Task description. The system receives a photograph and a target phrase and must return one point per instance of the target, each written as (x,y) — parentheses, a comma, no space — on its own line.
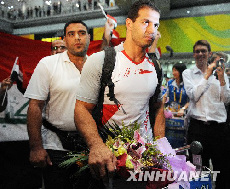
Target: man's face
(201,55)
(77,39)
(58,46)
(144,29)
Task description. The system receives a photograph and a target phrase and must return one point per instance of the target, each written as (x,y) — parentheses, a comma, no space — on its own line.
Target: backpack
(108,67)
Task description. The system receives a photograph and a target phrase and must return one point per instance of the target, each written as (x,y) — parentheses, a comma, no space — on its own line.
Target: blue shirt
(177,95)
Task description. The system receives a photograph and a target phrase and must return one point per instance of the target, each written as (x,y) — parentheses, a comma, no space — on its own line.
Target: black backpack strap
(108,67)
(153,99)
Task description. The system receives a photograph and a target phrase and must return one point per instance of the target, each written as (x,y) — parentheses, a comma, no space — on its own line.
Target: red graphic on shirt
(108,111)
(141,71)
(127,72)
(152,64)
(146,120)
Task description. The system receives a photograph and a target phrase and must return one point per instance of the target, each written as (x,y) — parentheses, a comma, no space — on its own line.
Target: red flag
(28,51)
(113,20)
(115,34)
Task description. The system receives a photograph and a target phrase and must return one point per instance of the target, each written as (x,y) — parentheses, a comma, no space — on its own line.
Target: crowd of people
(46,10)
(65,89)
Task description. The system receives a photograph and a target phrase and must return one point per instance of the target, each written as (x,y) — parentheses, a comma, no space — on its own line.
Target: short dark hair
(180,67)
(75,22)
(202,43)
(220,54)
(133,12)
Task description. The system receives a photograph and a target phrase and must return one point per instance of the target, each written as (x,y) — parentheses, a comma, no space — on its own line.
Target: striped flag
(17,75)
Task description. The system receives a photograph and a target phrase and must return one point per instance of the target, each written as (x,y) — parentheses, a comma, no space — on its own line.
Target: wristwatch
(183,108)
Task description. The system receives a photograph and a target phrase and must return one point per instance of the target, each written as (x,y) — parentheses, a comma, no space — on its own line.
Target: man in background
(58,46)
(208,96)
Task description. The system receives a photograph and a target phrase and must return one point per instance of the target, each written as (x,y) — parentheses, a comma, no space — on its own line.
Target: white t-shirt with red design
(134,84)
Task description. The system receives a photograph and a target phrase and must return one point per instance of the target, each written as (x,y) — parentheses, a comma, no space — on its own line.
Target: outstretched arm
(108,28)
(153,48)
(101,159)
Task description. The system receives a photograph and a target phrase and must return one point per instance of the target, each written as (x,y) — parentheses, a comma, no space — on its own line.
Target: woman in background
(177,97)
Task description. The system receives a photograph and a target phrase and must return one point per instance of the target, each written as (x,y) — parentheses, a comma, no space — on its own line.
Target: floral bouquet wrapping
(136,159)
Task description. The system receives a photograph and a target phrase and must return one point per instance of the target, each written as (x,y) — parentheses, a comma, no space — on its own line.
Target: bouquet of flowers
(132,153)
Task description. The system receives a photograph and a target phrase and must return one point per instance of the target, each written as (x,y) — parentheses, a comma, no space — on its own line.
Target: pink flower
(137,165)
(140,150)
(138,137)
(168,114)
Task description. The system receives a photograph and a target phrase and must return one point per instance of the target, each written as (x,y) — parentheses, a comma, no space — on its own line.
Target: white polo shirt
(55,80)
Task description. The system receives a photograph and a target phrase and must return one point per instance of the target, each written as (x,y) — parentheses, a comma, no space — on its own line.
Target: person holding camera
(208,95)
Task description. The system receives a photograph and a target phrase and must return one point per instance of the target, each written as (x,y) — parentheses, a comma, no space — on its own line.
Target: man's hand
(158,36)
(39,158)
(109,26)
(102,162)
(6,84)
(180,113)
(153,47)
(220,74)
(210,70)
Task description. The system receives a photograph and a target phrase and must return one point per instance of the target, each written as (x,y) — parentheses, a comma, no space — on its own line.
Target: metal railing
(46,11)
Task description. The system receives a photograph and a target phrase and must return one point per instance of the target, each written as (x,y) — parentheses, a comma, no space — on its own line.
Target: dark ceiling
(174,4)
(177,4)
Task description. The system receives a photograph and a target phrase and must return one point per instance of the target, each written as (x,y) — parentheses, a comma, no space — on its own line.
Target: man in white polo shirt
(53,86)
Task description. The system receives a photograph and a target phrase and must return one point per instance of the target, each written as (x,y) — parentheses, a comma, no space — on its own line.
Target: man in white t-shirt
(15,168)
(135,80)
(53,86)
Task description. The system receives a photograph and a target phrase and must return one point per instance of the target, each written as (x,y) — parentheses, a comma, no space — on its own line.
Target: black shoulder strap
(154,98)
(108,67)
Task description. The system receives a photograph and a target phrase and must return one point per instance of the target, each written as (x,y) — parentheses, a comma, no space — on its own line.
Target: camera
(220,63)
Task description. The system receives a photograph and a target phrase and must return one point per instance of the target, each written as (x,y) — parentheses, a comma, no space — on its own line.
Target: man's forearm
(34,123)
(159,127)
(105,41)
(86,125)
